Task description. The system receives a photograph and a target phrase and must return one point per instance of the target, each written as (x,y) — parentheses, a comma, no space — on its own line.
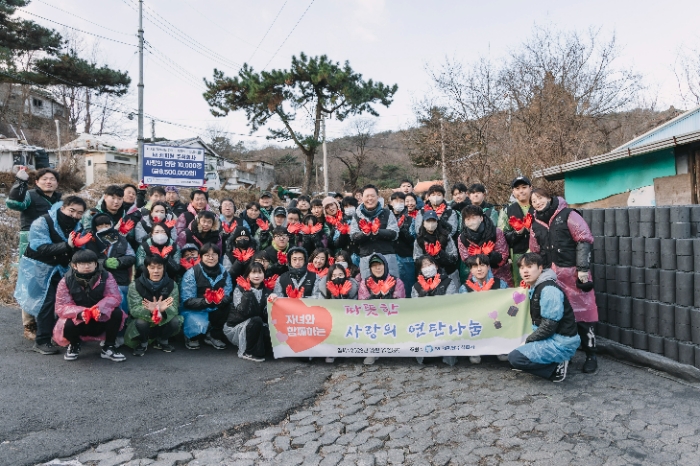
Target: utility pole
(153,130)
(325,157)
(442,154)
(140,87)
(58,141)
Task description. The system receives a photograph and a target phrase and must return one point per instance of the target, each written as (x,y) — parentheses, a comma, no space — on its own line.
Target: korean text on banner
(488,323)
(175,166)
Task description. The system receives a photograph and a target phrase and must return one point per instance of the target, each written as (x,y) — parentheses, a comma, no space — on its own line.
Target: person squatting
(142,266)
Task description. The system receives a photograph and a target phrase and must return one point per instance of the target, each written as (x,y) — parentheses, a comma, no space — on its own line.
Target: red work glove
(281,258)
(270,282)
(487,248)
(80,241)
(263,224)
(125,227)
(375,226)
(365,226)
(343,228)
(243,283)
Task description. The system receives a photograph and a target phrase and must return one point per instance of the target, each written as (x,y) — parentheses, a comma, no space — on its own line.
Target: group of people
(141,266)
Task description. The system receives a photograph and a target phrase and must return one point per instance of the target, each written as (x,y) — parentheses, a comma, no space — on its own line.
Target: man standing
(406,187)
(172,197)
(32,204)
(477,196)
(515,220)
(53,238)
(111,205)
(266,205)
(374,230)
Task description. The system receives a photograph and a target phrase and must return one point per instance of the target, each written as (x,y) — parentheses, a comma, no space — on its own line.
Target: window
(37,102)
(122,158)
(89,163)
(58,112)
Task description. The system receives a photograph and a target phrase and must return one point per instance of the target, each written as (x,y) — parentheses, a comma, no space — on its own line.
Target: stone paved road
(397,412)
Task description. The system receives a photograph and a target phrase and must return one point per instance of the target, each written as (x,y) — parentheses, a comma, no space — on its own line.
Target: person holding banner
(480,236)
(160,243)
(433,240)
(563,238)
(205,299)
(297,282)
(247,326)
(554,340)
(199,201)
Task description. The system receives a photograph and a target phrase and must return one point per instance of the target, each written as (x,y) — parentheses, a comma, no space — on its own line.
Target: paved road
(397,412)
(53,408)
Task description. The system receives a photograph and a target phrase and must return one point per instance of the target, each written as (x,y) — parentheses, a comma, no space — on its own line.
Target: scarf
(546,214)
(485,233)
(212,272)
(65,222)
(371,214)
(151,290)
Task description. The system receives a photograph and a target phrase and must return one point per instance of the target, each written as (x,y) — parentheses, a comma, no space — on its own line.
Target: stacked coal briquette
(646,272)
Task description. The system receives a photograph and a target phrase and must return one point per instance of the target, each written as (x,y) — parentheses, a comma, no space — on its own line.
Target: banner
(173,166)
(472,324)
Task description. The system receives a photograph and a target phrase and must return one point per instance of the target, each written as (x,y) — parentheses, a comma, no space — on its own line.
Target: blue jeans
(519,361)
(407,272)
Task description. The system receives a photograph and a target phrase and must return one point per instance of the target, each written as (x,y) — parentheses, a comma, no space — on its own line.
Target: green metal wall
(601,181)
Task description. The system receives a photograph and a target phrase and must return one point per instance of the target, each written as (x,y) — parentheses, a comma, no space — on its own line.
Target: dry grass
(8,279)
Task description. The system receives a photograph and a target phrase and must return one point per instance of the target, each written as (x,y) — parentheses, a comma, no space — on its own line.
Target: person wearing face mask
(436,202)
(158,214)
(239,253)
(199,201)
(277,251)
(433,240)
(514,221)
(53,238)
(87,306)
(374,229)
(160,243)
(403,246)
(114,254)
(205,299)
(335,227)
(344,258)
(246,327)
(564,240)
(349,206)
(297,281)
(204,229)
(480,236)
(154,300)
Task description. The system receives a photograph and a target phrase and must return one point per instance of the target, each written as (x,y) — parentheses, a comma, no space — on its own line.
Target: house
(660,167)
(37,102)
(251,174)
(103,156)
(15,151)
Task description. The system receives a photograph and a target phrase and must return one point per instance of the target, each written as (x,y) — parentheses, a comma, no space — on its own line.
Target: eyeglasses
(210,255)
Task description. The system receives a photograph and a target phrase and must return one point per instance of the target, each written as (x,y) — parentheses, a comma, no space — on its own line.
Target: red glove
(375,226)
(156,316)
(293,292)
(387,285)
(331,260)
(473,250)
(294,228)
(214,297)
(343,228)
(243,256)
(80,241)
(281,258)
(528,221)
(229,229)
(92,313)
(189,263)
(441,209)
(263,224)
(142,186)
(433,248)
(331,220)
(345,289)
(487,248)
(170,223)
(524,285)
(516,223)
(333,288)
(401,220)
(125,227)
(270,282)
(374,287)
(243,283)
(365,226)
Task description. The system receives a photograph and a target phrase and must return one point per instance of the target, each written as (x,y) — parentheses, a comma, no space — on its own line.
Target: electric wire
(267,32)
(226,30)
(290,33)
(76,29)
(85,19)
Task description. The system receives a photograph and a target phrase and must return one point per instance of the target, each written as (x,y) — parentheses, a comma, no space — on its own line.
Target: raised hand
(244,283)
(125,227)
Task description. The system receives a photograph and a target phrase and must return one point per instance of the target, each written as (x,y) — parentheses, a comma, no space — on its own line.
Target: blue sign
(173,166)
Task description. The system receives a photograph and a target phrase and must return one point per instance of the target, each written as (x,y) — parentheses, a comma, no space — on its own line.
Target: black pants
(160,332)
(46,319)
(217,319)
(110,328)
(519,361)
(586,330)
(257,337)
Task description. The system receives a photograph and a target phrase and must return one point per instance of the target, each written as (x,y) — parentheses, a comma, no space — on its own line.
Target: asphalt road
(53,408)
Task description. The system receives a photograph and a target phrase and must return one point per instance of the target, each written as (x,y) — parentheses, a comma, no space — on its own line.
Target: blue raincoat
(34,277)
(197,322)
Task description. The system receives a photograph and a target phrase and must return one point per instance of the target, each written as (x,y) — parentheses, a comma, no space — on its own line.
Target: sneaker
(30,332)
(211,341)
(250,357)
(164,346)
(330,360)
(591,364)
(475,359)
(45,348)
(111,353)
(140,350)
(502,357)
(191,344)
(72,352)
(369,360)
(560,373)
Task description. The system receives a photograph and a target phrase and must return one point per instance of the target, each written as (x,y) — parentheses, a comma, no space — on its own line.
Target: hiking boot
(475,359)
(72,352)
(140,350)
(192,344)
(45,348)
(369,360)
(591,364)
(250,357)
(110,352)
(560,373)
(164,346)
(30,332)
(211,341)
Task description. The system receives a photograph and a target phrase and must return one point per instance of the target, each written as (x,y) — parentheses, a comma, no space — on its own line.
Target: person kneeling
(247,321)
(153,305)
(554,340)
(87,306)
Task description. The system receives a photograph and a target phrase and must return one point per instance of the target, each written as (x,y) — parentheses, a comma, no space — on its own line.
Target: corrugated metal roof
(688,122)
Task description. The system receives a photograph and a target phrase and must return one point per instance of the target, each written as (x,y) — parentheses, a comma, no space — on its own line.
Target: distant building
(14,152)
(103,156)
(37,102)
(660,167)
(251,174)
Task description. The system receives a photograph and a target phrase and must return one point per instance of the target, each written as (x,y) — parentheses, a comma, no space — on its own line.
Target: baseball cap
(520,180)
(279,211)
(430,215)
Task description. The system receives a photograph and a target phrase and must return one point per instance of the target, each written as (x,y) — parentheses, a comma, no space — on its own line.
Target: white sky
(388,41)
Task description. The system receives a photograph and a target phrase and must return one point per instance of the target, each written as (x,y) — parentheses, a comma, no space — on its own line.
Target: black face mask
(242,243)
(338,281)
(65,222)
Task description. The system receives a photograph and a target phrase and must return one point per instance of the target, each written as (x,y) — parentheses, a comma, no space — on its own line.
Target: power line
(160,56)
(84,19)
(226,30)
(290,33)
(76,29)
(268,31)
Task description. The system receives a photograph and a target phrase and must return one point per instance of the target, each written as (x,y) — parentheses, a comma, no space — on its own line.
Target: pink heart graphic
(518,297)
(493,315)
(281,337)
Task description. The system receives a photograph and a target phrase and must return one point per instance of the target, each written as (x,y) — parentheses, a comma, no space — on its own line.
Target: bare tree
(687,71)
(354,151)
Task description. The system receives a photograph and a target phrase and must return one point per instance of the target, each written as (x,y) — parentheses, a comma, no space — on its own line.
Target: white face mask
(160,238)
(158,217)
(429,271)
(398,207)
(473,223)
(343,264)
(435,200)
(349,211)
